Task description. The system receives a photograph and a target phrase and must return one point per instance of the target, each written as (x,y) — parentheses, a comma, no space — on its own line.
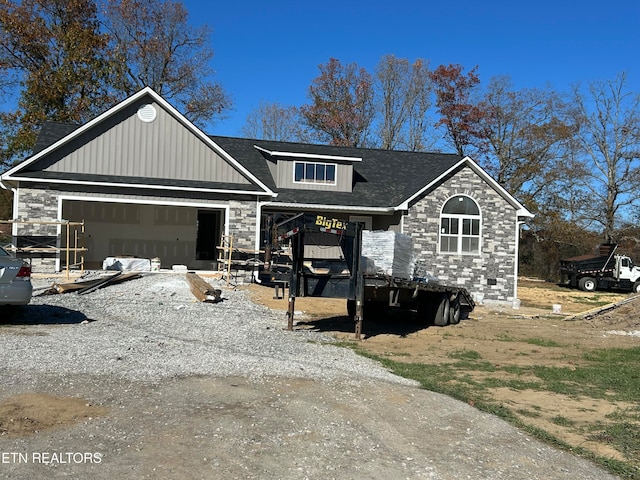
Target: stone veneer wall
(496,261)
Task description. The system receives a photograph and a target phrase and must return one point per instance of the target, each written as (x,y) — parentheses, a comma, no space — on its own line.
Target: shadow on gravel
(395,324)
(40,315)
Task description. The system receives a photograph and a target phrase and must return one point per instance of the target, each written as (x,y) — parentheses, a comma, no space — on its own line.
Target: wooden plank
(201,289)
(85,284)
(102,283)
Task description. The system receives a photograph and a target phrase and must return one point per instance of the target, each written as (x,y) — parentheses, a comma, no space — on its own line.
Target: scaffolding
(232,259)
(30,245)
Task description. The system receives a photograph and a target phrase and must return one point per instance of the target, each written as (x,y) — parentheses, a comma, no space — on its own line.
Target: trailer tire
(375,311)
(441,311)
(636,287)
(587,284)
(351,309)
(454,311)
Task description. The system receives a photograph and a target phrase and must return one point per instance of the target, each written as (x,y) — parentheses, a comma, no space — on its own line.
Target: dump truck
(604,270)
(368,292)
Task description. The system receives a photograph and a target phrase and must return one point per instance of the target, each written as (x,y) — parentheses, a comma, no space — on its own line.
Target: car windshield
(4,253)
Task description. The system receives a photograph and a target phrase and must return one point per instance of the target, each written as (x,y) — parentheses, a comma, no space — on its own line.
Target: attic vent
(147,113)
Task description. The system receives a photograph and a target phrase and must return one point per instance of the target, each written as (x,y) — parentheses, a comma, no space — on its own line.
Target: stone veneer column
(35,205)
(476,273)
(242,223)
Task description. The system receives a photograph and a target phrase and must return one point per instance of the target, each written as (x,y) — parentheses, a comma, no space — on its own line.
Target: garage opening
(177,235)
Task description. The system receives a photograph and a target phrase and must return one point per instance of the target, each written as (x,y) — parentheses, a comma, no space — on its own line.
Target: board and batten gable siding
(497,259)
(125,146)
(284,176)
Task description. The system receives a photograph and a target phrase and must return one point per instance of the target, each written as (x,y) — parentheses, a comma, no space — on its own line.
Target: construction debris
(202,290)
(87,286)
(589,314)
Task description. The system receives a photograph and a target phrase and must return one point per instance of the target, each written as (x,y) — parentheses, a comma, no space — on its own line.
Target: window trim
(314,181)
(460,233)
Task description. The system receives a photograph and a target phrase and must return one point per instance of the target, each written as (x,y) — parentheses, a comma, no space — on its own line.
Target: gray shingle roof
(51,132)
(384,178)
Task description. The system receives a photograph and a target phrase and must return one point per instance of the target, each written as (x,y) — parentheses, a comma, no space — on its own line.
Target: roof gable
(140,141)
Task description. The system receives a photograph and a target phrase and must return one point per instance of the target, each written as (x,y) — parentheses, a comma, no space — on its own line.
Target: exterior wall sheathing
(39,203)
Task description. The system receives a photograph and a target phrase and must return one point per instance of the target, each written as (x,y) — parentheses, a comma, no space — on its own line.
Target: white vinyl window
(314,172)
(460,226)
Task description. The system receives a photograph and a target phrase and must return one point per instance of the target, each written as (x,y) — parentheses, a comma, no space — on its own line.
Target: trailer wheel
(351,309)
(636,287)
(441,311)
(454,311)
(587,284)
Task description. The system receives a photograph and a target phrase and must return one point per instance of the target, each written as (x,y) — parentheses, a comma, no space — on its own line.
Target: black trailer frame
(447,304)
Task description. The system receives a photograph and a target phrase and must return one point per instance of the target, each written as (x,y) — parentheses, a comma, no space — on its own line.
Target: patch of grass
(465,355)
(514,384)
(503,337)
(613,374)
(624,436)
(542,342)
(397,354)
(562,421)
(625,413)
(528,413)
(514,369)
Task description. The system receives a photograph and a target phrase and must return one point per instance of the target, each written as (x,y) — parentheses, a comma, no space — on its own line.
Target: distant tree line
(571,157)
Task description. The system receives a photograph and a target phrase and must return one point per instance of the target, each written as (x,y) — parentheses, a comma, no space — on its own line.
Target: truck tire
(441,311)
(636,287)
(587,284)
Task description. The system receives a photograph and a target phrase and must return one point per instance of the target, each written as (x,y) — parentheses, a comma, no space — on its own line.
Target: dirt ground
(502,335)
(498,334)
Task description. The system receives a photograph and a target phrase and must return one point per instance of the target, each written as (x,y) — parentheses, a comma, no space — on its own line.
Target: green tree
(153,45)
(52,53)
(341,110)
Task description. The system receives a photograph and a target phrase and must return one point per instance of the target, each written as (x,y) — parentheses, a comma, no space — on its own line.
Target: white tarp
(127,264)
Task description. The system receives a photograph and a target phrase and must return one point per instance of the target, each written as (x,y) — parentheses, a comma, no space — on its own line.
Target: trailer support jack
(290,311)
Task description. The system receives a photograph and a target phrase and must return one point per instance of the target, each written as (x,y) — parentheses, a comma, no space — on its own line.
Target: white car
(15,280)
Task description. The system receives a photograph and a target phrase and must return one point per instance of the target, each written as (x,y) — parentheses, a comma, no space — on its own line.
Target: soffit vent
(147,113)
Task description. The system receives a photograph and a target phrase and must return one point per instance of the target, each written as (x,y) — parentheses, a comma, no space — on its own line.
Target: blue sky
(270,51)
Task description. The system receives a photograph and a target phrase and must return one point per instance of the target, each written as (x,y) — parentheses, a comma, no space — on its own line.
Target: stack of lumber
(82,287)
(387,253)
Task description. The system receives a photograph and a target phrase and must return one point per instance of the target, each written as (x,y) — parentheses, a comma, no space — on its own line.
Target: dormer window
(314,172)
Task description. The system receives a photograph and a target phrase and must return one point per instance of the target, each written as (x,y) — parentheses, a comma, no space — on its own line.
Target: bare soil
(503,335)
(228,428)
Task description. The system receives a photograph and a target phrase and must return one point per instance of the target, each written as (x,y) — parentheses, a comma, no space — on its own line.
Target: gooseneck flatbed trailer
(368,294)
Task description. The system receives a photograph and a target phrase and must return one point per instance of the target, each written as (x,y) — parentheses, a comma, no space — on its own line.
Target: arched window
(460,226)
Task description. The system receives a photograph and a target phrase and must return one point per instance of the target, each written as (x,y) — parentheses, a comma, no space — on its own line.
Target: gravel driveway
(193,390)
